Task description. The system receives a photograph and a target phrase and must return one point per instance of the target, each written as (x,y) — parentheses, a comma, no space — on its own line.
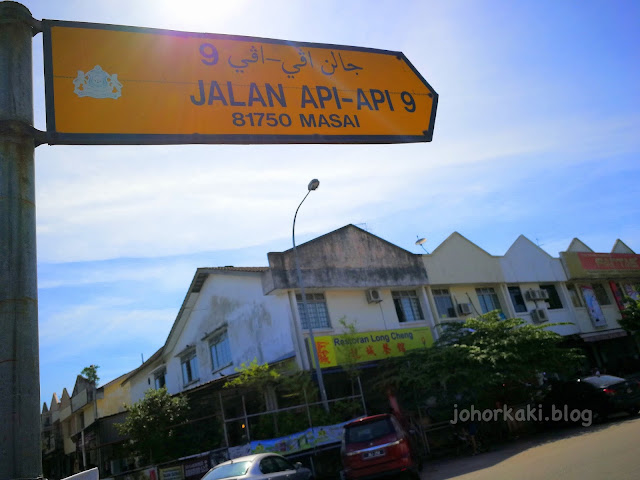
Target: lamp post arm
(305,307)
(293,232)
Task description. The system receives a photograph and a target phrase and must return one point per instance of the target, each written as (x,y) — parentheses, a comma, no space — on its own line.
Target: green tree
(91,373)
(477,360)
(254,376)
(630,320)
(151,425)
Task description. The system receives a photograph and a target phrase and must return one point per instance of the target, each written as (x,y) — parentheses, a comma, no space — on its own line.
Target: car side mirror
(297,465)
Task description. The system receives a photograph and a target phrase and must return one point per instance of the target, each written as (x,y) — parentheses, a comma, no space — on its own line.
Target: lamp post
(313,184)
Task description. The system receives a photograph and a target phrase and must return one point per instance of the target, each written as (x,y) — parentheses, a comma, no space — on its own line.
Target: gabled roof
(149,361)
(455,236)
(119,379)
(81,384)
(193,291)
(333,233)
(578,245)
(527,262)
(348,257)
(55,403)
(196,285)
(621,247)
(231,268)
(524,240)
(65,399)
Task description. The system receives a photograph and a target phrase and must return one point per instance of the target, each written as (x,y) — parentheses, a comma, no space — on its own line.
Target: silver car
(259,466)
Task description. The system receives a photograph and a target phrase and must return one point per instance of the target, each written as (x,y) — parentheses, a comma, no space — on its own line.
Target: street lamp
(313,184)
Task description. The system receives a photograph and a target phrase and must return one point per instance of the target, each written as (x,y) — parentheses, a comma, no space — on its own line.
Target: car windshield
(603,380)
(365,432)
(228,470)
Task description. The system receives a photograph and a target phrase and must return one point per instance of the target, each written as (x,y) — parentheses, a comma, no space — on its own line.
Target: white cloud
(101,325)
(124,204)
(169,274)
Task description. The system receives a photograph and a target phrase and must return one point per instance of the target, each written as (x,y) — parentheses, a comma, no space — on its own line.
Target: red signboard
(609,261)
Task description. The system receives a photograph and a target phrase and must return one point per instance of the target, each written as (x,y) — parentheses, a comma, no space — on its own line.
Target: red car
(377,447)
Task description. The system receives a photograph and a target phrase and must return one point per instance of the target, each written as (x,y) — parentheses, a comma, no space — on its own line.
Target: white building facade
(356,280)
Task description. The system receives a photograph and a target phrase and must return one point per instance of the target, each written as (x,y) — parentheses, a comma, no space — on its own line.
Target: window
(160,378)
(274,464)
(601,294)
(517,299)
(282,465)
(444,305)
(368,431)
(574,296)
(554,299)
(488,299)
(189,368)
(220,351)
(407,306)
(237,469)
(318,313)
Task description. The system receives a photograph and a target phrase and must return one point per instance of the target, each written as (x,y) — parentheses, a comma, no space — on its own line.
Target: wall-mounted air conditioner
(537,295)
(374,296)
(539,315)
(464,308)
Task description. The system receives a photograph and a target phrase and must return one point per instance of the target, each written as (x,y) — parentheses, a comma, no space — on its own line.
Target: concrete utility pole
(20,454)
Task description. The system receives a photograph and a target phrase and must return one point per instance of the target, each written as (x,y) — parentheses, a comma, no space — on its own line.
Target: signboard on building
(300,441)
(196,467)
(334,350)
(172,473)
(601,265)
(593,306)
(110,84)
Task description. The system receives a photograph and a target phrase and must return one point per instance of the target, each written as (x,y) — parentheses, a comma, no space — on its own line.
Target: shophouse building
(598,284)
(389,299)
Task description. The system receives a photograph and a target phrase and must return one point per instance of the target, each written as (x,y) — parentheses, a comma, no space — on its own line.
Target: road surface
(607,451)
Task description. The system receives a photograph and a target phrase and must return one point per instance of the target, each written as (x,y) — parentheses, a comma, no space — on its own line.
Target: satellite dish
(421,241)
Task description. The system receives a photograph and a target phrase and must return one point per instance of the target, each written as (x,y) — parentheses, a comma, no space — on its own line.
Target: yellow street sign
(109,84)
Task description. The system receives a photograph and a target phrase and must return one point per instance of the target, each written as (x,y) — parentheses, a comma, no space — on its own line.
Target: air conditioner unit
(539,315)
(464,309)
(544,294)
(374,296)
(535,294)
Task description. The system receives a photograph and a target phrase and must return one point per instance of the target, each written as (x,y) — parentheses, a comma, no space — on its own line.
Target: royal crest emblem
(97,83)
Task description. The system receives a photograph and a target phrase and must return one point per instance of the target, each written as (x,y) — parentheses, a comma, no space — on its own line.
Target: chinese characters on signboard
(336,350)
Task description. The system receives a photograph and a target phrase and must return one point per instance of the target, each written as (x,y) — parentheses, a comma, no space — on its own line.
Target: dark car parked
(601,395)
(377,447)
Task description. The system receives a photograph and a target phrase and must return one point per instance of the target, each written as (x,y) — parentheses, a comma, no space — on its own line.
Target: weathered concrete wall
(116,396)
(142,381)
(346,258)
(258,326)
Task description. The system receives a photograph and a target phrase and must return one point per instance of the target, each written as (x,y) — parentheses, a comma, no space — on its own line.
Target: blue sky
(536,134)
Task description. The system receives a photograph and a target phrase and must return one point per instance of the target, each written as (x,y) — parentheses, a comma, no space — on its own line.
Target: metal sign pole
(20,455)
